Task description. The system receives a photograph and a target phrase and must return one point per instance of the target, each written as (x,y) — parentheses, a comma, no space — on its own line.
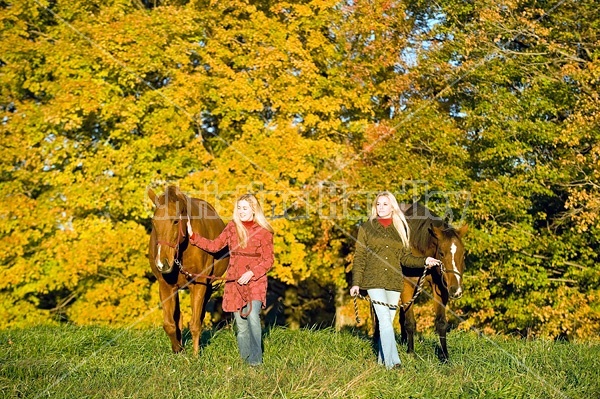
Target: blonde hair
(258,216)
(398,218)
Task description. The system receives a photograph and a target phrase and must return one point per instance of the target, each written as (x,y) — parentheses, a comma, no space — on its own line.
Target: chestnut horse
(431,236)
(177,264)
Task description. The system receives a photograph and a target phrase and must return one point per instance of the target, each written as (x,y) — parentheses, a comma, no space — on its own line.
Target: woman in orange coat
(250,240)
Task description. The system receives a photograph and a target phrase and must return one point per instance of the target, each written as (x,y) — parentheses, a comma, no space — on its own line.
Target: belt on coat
(251,255)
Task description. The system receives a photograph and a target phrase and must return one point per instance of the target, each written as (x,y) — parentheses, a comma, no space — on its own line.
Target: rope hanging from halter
(406,305)
(189,275)
(195,276)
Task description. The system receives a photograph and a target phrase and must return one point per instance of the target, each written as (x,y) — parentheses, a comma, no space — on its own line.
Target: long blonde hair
(257,215)
(398,218)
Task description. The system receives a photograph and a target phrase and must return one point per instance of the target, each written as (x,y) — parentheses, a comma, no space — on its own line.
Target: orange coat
(257,256)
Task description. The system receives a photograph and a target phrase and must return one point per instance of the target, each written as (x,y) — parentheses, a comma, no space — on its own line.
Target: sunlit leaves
(487,111)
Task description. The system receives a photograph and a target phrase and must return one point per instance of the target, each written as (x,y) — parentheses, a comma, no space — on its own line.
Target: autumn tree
(488,113)
(101,100)
(515,80)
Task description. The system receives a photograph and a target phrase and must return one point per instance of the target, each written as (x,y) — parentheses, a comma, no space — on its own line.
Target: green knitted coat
(379,256)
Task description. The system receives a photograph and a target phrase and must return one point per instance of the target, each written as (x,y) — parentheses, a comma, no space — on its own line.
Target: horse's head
(169,225)
(451,252)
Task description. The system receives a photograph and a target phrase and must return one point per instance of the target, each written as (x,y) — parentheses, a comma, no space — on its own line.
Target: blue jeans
(249,333)
(387,351)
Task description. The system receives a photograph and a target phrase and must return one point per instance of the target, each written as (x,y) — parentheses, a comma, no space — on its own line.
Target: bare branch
(543,257)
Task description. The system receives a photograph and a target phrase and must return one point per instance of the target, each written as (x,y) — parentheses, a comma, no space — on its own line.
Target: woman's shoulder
(257,230)
(230,227)
(367,225)
(263,231)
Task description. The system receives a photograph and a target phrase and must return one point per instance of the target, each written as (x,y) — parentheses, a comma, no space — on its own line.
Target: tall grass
(95,362)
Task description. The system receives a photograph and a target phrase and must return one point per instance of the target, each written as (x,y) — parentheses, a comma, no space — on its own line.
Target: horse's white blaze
(453,251)
(159,264)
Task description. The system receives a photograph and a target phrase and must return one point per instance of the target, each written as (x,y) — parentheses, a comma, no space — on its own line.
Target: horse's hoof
(443,358)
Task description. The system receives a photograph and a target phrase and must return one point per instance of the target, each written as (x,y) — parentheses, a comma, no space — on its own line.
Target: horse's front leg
(441,325)
(171,315)
(198,295)
(408,324)
(402,321)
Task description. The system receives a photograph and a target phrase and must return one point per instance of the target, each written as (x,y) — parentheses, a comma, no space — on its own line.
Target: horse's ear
(153,197)
(403,206)
(437,232)
(462,231)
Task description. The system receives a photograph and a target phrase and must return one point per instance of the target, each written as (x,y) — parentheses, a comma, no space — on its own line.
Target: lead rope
(195,276)
(389,305)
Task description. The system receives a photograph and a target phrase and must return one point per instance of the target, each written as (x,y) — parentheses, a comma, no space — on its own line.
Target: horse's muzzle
(164,266)
(455,292)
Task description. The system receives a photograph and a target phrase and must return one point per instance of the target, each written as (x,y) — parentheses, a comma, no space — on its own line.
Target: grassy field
(95,362)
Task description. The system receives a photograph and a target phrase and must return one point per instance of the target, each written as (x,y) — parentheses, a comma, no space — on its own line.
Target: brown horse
(431,236)
(177,264)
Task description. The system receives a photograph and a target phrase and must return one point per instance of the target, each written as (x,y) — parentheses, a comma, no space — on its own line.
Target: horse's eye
(176,221)
(441,254)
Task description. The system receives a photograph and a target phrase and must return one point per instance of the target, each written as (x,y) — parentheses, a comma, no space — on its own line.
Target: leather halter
(443,269)
(175,245)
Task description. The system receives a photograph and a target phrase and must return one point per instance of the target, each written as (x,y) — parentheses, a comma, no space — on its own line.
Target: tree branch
(566,262)
(65,302)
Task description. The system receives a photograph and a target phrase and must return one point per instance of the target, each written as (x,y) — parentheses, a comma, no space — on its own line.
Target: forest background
(486,111)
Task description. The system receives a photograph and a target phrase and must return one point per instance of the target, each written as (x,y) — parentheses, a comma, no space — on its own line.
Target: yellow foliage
(312,106)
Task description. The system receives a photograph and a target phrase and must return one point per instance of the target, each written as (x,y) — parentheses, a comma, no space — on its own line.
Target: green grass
(95,362)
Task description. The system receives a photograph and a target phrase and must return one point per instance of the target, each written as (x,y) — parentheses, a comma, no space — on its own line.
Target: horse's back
(418,215)
(420,219)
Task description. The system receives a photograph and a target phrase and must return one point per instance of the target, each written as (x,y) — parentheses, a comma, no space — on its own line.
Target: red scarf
(248,224)
(385,222)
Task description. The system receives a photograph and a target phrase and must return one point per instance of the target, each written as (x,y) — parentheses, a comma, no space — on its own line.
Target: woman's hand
(432,262)
(354,290)
(246,277)
(189,228)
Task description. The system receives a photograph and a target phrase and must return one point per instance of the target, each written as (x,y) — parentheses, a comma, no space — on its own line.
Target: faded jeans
(387,351)
(249,333)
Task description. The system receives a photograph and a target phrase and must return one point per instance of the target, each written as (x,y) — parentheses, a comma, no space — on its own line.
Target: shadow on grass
(207,333)
(365,336)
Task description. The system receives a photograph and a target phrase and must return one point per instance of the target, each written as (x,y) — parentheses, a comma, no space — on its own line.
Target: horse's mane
(173,195)
(420,219)
(185,203)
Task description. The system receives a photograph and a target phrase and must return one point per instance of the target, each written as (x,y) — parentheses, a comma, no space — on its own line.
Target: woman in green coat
(381,249)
